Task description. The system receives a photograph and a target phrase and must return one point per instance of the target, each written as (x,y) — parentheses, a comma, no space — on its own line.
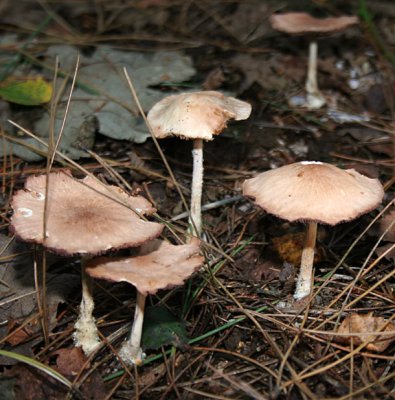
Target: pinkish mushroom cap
(296,23)
(314,191)
(198,115)
(81,216)
(160,265)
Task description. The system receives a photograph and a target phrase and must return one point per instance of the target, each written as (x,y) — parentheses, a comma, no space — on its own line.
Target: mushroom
(296,23)
(81,217)
(159,265)
(197,116)
(314,192)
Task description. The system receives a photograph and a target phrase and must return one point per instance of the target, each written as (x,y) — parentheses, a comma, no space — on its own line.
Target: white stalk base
(305,278)
(131,355)
(86,334)
(131,352)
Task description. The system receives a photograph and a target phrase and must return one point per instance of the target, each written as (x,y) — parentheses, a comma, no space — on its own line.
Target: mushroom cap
(314,191)
(159,265)
(198,115)
(80,216)
(296,23)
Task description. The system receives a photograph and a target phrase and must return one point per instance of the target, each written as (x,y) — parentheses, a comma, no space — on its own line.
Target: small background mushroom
(298,23)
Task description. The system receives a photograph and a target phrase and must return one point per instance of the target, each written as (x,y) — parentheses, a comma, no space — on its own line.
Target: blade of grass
(41,367)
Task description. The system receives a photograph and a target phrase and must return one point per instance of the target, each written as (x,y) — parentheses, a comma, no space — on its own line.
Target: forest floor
(227,336)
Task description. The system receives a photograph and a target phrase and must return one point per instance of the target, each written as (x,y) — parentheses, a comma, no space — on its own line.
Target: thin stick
(211,206)
(304,283)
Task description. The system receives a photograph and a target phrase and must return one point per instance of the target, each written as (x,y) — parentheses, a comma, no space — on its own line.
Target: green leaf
(27,92)
(161,328)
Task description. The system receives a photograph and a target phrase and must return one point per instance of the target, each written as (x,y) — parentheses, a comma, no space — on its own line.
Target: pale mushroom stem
(86,334)
(195,220)
(305,278)
(131,351)
(314,97)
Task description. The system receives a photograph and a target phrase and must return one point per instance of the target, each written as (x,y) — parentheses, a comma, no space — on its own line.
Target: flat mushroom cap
(300,23)
(80,219)
(160,265)
(198,115)
(314,191)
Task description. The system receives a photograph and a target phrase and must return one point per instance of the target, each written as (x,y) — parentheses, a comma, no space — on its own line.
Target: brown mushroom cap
(314,191)
(198,115)
(80,218)
(160,265)
(295,23)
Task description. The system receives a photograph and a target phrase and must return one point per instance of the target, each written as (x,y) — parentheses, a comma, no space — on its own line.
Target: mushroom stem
(195,220)
(131,351)
(314,97)
(305,278)
(86,334)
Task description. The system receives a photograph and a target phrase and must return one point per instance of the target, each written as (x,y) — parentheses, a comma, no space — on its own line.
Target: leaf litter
(248,347)
(102,102)
(19,297)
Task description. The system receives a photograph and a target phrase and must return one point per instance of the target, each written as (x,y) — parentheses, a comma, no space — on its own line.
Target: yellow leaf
(26,91)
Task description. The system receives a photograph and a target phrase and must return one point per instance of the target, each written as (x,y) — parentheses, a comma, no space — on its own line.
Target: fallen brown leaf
(17,336)
(367,326)
(32,384)
(70,361)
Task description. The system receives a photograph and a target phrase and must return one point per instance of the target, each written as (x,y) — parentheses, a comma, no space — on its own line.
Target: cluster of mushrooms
(88,218)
